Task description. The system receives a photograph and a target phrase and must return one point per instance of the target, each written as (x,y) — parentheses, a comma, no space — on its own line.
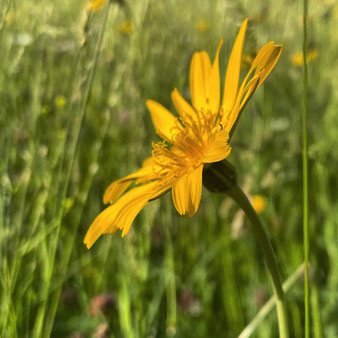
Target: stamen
(191,138)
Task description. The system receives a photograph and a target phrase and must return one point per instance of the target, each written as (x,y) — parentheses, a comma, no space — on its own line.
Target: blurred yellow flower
(60,101)
(126,28)
(201,26)
(312,54)
(297,58)
(197,137)
(258,203)
(94,5)
(67,205)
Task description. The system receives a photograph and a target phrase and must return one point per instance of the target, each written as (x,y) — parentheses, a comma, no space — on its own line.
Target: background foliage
(200,277)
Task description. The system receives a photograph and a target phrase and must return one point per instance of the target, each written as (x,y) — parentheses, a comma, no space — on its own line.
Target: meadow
(73,87)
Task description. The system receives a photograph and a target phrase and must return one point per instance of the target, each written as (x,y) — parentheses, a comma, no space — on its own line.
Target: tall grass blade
(305,174)
(266,309)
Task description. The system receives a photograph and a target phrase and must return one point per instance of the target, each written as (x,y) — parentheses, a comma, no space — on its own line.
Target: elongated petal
(219,149)
(187,191)
(269,61)
(161,191)
(121,214)
(199,69)
(103,223)
(233,70)
(245,91)
(117,188)
(184,109)
(213,87)
(165,123)
(262,64)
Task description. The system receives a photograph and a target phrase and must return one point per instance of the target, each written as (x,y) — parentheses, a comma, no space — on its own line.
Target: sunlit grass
(201,276)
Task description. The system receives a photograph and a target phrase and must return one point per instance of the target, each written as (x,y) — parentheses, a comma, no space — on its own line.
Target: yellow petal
(219,149)
(117,188)
(213,86)
(233,70)
(121,214)
(149,161)
(128,213)
(200,67)
(268,62)
(262,64)
(185,110)
(187,191)
(160,191)
(103,223)
(165,123)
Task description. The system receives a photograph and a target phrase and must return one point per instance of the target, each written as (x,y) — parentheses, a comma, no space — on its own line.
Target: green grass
(202,276)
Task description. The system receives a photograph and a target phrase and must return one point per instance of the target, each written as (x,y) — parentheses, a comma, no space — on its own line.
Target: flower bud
(219,176)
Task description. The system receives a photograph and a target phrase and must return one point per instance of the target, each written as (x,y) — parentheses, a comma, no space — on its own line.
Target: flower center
(191,139)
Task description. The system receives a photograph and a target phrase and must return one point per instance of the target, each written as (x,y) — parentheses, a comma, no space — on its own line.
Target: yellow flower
(126,28)
(201,26)
(60,101)
(311,55)
(94,5)
(258,203)
(197,137)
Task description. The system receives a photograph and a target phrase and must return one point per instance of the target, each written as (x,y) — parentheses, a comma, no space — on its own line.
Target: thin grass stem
(73,132)
(305,174)
(268,306)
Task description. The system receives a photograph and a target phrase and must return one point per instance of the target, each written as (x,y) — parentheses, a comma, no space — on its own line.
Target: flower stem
(237,194)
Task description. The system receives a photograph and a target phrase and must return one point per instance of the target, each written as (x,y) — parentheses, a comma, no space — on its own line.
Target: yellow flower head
(311,55)
(258,203)
(60,101)
(126,28)
(198,136)
(201,26)
(95,5)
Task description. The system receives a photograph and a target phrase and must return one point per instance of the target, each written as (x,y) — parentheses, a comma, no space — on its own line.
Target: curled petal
(268,61)
(262,64)
(187,191)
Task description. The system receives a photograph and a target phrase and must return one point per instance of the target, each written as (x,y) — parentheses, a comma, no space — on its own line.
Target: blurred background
(73,119)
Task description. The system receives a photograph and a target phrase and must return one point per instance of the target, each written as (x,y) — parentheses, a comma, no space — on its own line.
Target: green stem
(305,176)
(268,306)
(258,229)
